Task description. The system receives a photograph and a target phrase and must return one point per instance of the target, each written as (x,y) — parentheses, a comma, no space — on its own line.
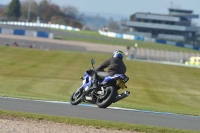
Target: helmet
(118,54)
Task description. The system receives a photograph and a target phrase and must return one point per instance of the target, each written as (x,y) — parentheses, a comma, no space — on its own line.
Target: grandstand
(175,26)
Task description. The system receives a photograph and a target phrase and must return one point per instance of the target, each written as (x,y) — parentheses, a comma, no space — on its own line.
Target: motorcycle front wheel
(76,97)
(107,99)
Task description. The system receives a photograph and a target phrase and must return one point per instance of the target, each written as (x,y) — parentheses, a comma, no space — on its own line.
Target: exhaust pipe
(122,96)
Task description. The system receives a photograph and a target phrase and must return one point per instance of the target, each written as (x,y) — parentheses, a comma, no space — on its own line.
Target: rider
(114,64)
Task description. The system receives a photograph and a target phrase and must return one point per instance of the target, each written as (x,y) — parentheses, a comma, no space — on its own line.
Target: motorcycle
(107,92)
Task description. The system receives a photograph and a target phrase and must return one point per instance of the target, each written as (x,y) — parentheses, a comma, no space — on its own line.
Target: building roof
(151,14)
(173,16)
(180,10)
(154,16)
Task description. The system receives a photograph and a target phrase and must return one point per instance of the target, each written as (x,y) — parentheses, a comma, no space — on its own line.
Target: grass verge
(54,75)
(92,122)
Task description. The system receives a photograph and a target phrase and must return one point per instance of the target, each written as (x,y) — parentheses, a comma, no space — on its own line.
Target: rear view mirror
(92,61)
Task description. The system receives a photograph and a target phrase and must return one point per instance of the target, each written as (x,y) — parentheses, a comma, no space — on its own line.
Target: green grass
(54,75)
(95,37)
(91,122)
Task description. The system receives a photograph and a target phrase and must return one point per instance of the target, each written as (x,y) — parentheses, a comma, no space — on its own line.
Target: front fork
(78,92)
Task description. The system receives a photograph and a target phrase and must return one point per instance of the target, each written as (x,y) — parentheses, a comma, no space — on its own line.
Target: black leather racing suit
(114,65)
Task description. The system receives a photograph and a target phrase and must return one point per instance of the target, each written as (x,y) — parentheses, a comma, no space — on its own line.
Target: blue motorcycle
(107,93)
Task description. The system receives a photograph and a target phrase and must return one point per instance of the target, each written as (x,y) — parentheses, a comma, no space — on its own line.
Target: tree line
(44,11)
(47,12)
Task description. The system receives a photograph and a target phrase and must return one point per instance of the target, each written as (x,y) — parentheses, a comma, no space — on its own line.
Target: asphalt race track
(54,44)
(93,112)
(39,44)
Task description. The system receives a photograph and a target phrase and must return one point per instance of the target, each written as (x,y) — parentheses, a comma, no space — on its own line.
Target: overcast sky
(127,7)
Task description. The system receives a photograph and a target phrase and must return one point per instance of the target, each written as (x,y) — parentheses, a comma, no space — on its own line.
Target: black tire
(108,99)
(75,100)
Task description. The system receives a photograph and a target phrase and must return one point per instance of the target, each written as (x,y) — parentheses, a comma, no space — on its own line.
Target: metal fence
(160,55)
(7,26)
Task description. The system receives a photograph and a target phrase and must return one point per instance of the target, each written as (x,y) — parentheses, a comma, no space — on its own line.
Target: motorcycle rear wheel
(108,98)
(76,97)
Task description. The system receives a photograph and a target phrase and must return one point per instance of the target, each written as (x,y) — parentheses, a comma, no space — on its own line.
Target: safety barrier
(45,25)
(140,38)
(22,32)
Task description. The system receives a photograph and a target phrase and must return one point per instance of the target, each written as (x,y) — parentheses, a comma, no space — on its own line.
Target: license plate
(120,83)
